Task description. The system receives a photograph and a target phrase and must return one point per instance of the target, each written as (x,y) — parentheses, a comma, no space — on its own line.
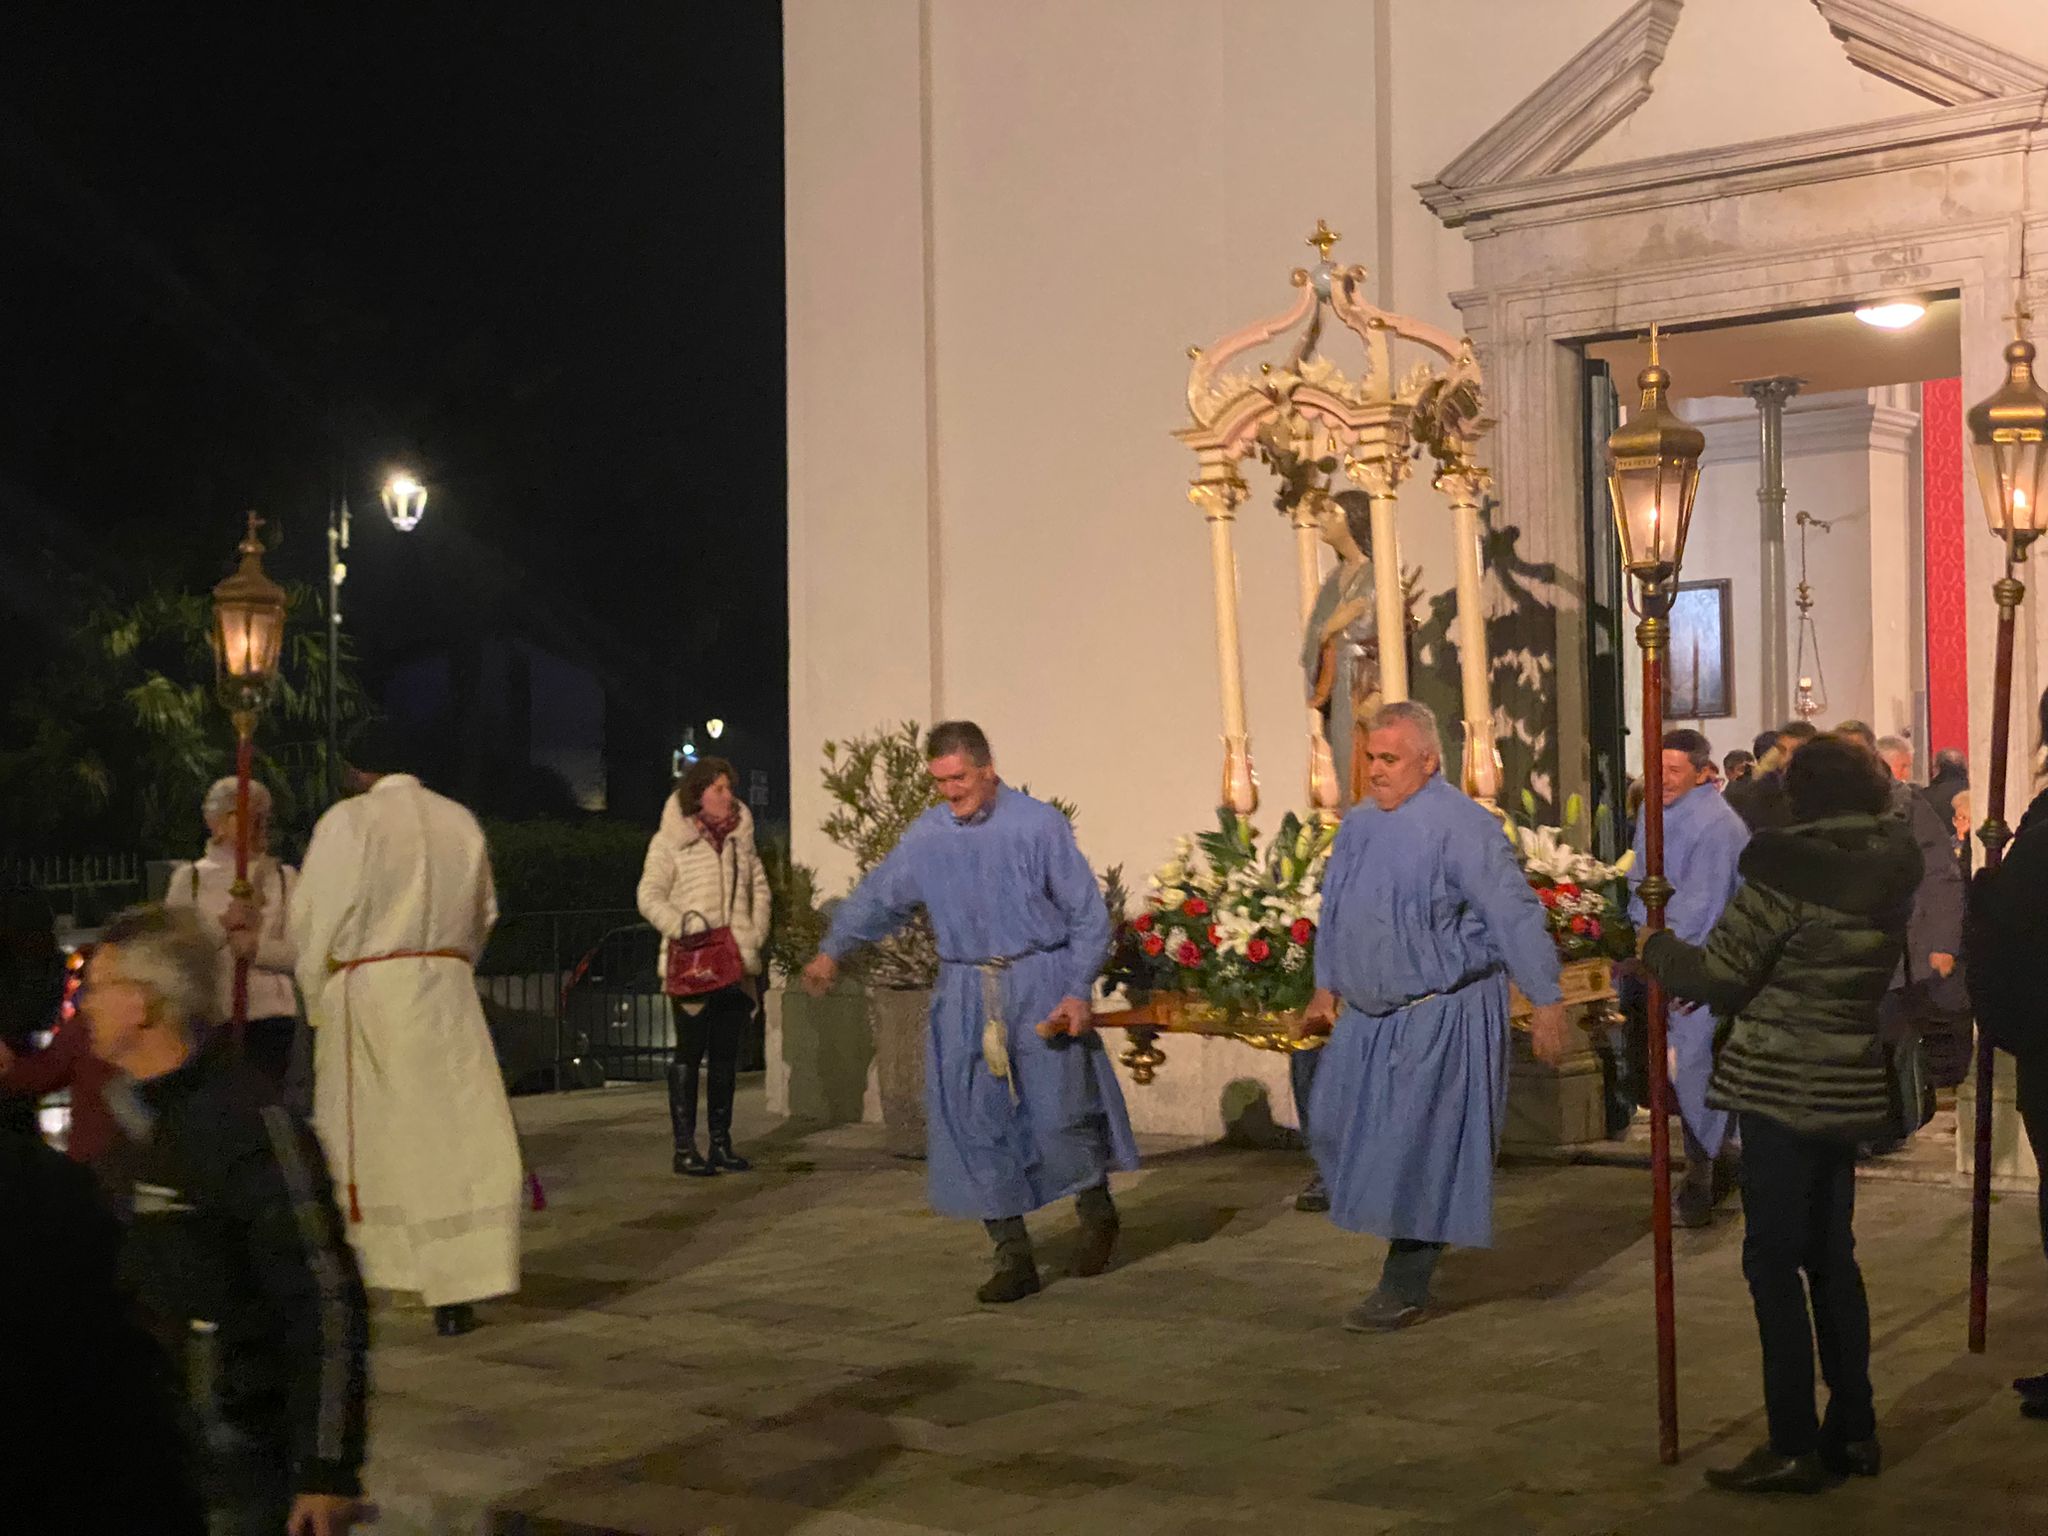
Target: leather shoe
(1012,1281)
(453,1322)
(1763,1470)
(1098,1242)
(689,1160)
(723,1156)
(1691,1210)
(2031,1386)
(1315,1199)
(1852,1458)
(1381,1313)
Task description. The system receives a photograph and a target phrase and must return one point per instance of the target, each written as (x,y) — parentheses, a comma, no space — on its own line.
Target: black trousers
(267,1046)
(1799,1204)
(2031,1088)
(712,1032)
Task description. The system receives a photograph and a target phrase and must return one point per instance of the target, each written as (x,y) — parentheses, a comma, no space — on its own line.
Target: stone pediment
(1925,56)
(1524,162)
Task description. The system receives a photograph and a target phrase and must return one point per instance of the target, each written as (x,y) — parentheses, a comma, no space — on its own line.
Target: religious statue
(1340,653)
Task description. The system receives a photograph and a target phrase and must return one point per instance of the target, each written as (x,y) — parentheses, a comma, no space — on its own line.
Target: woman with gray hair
(207,886)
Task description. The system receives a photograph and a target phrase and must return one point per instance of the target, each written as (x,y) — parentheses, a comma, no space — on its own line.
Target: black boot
(1694,1205)
(718,1091)
(453,1322)
(1016,1271)
(682,1119)
(1099,1228)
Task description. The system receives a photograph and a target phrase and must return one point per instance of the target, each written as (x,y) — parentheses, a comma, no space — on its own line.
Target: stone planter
(899,1023)
(819,1053)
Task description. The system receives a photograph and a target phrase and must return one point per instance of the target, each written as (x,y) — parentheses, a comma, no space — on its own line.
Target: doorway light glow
(1895,316)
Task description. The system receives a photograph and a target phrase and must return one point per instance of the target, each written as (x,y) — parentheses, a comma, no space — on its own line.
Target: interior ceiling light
(1895,316)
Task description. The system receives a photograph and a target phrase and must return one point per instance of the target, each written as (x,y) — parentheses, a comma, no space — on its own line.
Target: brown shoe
(1098,1242)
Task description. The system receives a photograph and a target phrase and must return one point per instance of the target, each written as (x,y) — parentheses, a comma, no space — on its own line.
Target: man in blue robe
(1703,842)
(1022,1105)
(1426,915)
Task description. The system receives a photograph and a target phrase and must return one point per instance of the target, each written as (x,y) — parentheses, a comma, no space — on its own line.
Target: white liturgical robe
(391,912)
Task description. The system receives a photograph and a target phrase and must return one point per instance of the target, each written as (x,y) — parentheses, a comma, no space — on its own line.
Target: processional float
(1310,420)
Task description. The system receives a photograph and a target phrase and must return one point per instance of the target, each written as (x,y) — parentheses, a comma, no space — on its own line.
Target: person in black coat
(2002,947)
(1760,799)
(233,1249)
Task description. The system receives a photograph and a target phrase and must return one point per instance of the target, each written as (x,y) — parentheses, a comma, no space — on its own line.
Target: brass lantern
(405,501)
(2009,444)
(248,629)
(1653,473)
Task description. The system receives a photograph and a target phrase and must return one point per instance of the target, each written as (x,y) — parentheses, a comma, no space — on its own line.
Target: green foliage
(113,734)
(797,926)
(879,785)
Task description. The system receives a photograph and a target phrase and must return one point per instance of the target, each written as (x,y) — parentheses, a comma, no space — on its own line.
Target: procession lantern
(405,501)
(2009,444)
(248,629)
(1653,474)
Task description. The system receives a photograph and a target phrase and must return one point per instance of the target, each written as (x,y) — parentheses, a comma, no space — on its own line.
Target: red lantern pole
(1652,634)
(2008,592)
(242,890)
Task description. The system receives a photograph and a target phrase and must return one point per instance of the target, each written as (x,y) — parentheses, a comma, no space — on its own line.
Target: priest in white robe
(391,912)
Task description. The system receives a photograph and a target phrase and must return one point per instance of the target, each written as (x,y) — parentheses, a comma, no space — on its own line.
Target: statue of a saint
(1340,653)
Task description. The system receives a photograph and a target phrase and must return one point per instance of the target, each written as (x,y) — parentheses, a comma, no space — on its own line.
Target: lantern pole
(2008,592)
(2009,436)
(242,890)
(1653,477)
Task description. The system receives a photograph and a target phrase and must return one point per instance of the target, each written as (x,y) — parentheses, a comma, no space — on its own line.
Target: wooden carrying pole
(2008,591)
(1652,633)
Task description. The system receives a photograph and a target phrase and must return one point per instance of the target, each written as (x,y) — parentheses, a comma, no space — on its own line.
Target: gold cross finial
(252,539)
(1653,344)
(1323,238)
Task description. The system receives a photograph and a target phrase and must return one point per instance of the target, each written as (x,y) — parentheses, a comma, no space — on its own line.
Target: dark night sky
(533,249)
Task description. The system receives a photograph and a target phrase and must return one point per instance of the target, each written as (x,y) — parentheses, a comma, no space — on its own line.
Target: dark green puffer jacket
(1795,970)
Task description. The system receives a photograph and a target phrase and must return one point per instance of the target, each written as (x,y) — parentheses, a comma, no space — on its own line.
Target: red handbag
(707,960)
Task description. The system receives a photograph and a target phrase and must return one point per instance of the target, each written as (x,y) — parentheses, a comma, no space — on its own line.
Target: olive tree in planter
(879,786)
(818,1047)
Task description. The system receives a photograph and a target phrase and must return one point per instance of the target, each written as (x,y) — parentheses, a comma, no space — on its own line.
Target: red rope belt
(348,1048)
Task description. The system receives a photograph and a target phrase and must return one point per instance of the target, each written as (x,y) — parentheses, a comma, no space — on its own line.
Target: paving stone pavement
(797,1352)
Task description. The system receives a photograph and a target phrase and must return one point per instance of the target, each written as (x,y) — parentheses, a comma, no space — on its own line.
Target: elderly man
(1022,1105)
(1703,843)
(389,918)
(1425,917)
(234,1248)
(253,931)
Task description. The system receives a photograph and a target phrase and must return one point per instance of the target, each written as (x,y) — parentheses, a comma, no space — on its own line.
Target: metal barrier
(86,889)
(574,998)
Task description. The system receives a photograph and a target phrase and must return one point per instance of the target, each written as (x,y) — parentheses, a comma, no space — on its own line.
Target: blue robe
(1010,884)
(1703,842)
(1426,914)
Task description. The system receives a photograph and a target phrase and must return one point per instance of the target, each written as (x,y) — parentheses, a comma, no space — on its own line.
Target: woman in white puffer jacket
(703,862)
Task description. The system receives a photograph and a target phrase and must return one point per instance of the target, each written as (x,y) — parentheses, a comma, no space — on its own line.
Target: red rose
(1567,888)
(1142,922)
(1215,937)
(1186,954)
(1154,944)
(1258,951)
(1548,895)
(1194,906)
(1593,928)
(1581,925)
(1302,931)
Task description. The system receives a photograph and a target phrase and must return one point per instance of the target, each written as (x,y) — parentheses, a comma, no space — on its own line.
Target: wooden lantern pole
(1653,634)
(2008,591)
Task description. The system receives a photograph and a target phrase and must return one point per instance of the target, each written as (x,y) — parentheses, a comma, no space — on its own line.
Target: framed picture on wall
(1700,675)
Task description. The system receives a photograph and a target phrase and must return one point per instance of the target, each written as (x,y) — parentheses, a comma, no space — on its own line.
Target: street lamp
(1653,473)
(405,503)
(248,639)
(2009,445)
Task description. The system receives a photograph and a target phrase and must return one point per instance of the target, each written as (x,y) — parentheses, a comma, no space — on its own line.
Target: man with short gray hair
(233,1246)
(1425,916)
(1023,1104)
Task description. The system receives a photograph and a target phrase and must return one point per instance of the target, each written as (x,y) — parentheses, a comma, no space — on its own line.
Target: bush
(566,866)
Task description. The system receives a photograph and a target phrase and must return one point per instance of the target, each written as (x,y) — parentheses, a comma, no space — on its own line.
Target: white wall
(1008,221)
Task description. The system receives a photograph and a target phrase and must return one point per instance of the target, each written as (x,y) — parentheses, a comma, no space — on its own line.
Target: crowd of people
(232,1195)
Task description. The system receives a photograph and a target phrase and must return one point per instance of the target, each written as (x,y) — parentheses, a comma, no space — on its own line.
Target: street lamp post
(1653,473)
(405,503)
(248,638)
(2009,445)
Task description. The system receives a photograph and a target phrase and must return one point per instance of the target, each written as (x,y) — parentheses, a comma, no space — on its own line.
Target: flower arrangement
(1230,921)
(1584,900)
